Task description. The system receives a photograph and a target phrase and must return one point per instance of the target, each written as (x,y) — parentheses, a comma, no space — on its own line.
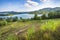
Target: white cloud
(45,0)
(31,5)
(27,5)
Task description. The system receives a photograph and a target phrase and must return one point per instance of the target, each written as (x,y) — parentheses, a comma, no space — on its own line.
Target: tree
(35,16)
(43,16)
(15,19)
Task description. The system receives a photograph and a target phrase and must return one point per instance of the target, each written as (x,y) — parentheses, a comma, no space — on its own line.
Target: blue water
(24,16)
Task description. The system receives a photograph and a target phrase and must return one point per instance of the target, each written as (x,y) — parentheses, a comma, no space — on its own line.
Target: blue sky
(27,5)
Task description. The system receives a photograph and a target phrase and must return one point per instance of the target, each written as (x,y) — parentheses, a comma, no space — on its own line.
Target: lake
(24,16)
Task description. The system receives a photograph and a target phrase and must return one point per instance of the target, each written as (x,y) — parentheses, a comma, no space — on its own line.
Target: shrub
(3,23)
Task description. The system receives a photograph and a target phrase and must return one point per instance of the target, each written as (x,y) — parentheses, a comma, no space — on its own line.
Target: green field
(48,29)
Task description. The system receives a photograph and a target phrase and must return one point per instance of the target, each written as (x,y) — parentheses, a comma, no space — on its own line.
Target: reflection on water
(24,16)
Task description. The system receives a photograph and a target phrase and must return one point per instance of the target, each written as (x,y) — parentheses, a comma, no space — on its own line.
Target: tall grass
(47,30)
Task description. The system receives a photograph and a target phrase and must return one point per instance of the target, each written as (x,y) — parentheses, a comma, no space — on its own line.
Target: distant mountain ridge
(50,9)
(39,11)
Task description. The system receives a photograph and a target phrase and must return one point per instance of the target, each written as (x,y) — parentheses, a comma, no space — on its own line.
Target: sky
(27,5)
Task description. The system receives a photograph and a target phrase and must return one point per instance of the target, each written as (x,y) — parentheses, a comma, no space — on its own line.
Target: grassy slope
(41,30)
(46,30)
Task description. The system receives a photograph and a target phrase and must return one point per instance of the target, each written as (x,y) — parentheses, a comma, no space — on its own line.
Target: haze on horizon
(27,5)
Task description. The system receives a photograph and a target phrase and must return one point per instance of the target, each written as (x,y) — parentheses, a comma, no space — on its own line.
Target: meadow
(48,29)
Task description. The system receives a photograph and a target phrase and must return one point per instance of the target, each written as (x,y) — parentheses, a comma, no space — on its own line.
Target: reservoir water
(24,16)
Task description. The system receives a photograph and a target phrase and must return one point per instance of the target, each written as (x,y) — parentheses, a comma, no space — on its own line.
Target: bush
(36,17)
(9,19)
(15,19)
(3,23)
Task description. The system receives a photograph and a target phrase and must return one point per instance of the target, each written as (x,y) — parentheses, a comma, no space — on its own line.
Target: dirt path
(23,29)
(5,35)
(27,27)
(17,32)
